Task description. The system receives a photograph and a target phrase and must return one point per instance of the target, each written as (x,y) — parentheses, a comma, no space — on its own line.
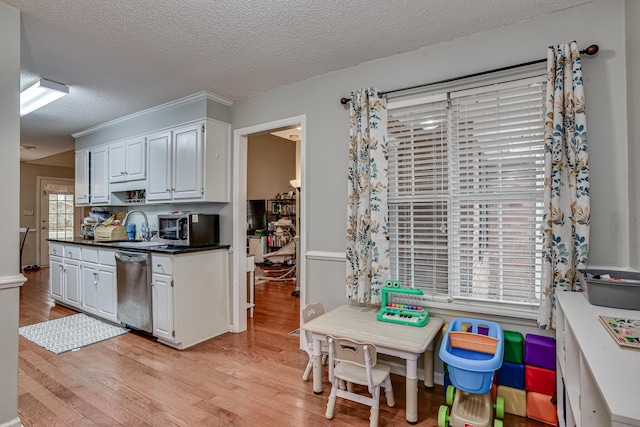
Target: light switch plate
(27,212)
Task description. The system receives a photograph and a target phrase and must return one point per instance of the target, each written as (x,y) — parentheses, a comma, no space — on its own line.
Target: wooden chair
(356,362)
(311,311)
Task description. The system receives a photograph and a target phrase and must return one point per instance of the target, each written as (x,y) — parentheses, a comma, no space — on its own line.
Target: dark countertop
(166,249)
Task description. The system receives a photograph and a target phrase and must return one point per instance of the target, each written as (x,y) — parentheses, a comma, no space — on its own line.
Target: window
(465,192)
(60,216)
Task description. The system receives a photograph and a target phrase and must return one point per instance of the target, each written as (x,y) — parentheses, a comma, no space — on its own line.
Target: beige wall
(271,164)
(29,174)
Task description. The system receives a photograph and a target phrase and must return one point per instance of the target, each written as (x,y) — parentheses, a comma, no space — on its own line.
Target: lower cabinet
(84,278)
(190,297)
(99,292)
(162,297)
(64,277)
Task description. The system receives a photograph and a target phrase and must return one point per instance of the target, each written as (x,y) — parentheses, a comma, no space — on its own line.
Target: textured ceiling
(122,56)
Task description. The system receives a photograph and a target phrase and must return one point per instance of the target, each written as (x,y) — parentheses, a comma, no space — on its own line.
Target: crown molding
(178,102)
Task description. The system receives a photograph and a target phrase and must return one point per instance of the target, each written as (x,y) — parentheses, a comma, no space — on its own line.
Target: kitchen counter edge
(159,249)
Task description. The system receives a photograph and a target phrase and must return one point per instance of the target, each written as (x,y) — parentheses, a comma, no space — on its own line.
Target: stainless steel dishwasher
(133,272)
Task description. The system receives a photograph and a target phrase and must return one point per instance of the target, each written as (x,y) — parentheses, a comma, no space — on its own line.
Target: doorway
(56,213)
(240,185)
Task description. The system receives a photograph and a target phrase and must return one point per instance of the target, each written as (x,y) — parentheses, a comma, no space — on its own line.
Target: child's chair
(356,362)
(311,311)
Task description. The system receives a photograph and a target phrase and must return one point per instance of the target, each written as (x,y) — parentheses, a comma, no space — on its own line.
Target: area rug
(70,333)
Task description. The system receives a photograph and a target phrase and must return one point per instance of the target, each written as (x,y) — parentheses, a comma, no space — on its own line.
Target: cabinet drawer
(56,249)
(73,252)
(162,264)
(90,255)
(107,257)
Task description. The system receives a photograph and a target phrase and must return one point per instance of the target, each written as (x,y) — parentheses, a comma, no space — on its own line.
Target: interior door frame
(41,180)
(239,252)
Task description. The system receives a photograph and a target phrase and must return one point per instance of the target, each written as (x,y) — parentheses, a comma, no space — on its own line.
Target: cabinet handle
(152,284)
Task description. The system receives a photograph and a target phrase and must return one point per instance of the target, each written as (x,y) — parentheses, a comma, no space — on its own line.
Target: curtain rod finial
(344,101)
(592,50)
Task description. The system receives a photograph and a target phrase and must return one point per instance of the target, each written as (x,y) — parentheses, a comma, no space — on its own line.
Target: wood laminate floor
(252,378)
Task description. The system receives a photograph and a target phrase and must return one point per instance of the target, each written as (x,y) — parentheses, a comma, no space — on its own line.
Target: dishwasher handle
(132,257)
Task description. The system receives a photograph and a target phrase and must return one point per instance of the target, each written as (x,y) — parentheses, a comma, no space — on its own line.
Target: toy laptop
(402,305)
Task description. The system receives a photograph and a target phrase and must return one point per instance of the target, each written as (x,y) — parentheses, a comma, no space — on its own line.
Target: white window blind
(465,192)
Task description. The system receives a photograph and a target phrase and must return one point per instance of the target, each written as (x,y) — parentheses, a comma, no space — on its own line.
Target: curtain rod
(591,50)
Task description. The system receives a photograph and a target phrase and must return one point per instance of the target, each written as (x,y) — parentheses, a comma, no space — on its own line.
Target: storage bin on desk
(611,293)
(472,371)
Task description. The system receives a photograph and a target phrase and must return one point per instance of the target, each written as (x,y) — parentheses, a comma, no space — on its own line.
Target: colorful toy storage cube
(515,400)
(472,370)
(540,380)
(511,375)
(540,351)
(513,347)
(539,407)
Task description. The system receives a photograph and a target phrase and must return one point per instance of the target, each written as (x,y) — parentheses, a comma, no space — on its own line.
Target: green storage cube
(513,347)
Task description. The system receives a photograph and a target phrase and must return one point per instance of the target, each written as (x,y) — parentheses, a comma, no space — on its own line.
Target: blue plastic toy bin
(472,371)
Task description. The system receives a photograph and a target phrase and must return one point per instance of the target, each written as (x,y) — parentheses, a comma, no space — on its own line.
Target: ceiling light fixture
(40,94)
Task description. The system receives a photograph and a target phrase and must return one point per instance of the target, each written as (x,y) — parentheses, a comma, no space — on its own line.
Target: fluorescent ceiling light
(40,94)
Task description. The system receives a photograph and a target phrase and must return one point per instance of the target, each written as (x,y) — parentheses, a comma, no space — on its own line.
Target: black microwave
(193,229)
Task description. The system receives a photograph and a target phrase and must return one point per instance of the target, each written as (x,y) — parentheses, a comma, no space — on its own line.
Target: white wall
(10,278)
(601,22)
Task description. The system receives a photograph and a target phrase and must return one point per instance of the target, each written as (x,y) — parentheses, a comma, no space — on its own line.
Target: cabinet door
(72,290)
(99,173)
(82,177)
(107,297)
(117,162)
(56,277)
(136,159)
(187,162)
(89,287)
(159,166)
(163,306)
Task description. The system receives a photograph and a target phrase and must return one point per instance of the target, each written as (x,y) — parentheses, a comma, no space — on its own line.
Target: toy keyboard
(400,305)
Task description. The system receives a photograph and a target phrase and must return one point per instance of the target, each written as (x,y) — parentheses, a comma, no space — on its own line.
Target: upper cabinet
(92,181)
(190,163)
(187,163)
(82,177)
(99,175)
(127,160)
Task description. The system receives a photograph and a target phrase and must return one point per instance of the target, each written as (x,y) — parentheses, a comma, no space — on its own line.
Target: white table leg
(412,390)
(428,366)
(317,366)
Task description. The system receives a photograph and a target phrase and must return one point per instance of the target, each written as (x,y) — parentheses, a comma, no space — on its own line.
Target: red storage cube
(540,380)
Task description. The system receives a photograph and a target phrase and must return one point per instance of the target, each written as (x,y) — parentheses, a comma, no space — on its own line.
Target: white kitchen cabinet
(596,378)
(64,274)
(99,290)
(99,175)
(190,163)
(56,277)
(162,296)
(72,283)
(190,297)
(128,160)
(159,159)
(82,177)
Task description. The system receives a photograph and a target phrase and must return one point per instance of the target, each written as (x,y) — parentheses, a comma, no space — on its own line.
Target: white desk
(406,342)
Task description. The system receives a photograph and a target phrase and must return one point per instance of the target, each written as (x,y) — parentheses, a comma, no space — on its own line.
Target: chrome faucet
(146,222)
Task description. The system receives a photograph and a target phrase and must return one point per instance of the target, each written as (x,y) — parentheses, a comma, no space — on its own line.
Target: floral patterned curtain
(368,178)
(566,194)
